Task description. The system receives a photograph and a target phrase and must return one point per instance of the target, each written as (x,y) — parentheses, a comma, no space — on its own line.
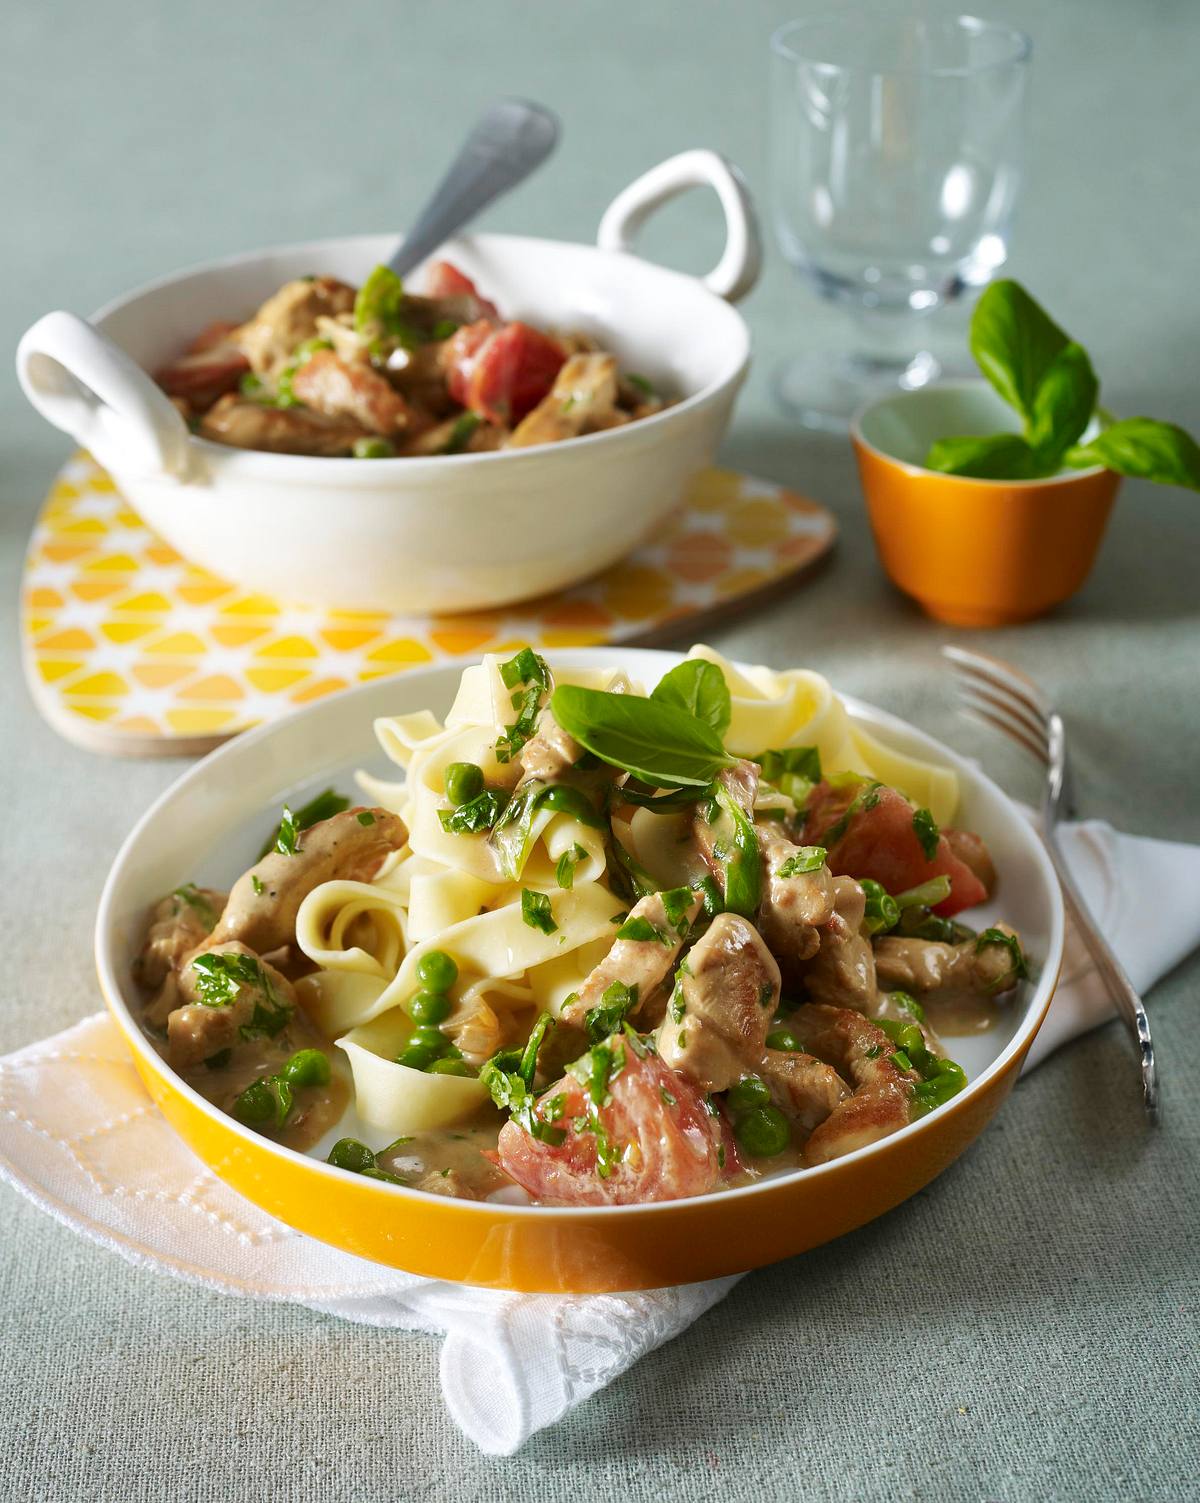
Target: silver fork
(1010,701)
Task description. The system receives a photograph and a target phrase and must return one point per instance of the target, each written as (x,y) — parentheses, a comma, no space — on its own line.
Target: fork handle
(1118,985)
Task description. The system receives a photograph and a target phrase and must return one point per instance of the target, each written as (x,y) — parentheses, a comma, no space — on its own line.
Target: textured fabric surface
(1027,1326)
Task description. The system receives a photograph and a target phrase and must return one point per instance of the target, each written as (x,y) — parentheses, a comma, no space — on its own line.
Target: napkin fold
(80,1138)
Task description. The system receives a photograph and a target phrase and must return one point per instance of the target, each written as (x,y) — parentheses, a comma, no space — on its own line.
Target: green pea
(307,1067)
(749,1092)
(413,1057)
(373,448)
(255,1105)
(349,1153)
(782,1039)
(463,782)
(911,1040)
(429,1036)
(762,1131)
(437,971)
(451,1067)
(429,1007)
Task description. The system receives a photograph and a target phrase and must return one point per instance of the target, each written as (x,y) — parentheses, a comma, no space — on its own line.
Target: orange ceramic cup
(973,552)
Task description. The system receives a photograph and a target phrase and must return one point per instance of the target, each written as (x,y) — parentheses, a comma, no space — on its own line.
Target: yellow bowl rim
(136,1039)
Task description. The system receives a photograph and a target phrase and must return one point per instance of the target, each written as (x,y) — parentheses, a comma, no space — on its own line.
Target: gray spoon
(507,142)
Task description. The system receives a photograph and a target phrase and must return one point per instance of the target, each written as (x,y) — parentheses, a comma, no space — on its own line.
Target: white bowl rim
(956,383)
(284,467)
(107,969)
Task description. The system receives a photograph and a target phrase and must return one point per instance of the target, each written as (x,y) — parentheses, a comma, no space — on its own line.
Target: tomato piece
(509,373)
(212,366)
(461,349)
(881,842)
(659,1140)
(445,280)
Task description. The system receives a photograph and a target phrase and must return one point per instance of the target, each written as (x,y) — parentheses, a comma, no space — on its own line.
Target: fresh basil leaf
(1063,403)
(1015,342)
(1145,450)
(698,687)
(987,456)
(659,743)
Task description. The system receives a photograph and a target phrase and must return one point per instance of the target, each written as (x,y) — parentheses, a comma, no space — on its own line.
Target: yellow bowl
(973,552)
(206,828)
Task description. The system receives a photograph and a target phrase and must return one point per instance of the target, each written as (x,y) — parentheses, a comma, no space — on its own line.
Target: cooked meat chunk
(881,1102)
(549,752)
(288,318)
(262,907)
(344,389)
(583,399)
(842,972)
(212,366)
(740,782)
(720,1012)
(177,925)
(656,929)
(245,424)
(969,848)
(795,907)
(262,1004)
(629,1130)
(921,965)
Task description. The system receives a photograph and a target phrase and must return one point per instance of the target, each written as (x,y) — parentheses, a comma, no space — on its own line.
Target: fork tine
(984,713)
(1012,709)
(1000,676)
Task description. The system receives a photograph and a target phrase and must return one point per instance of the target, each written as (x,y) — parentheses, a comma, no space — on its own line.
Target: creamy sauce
(450,1161)
(959,1014)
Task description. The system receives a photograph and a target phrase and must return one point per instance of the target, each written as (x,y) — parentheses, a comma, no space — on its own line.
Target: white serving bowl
(452,533)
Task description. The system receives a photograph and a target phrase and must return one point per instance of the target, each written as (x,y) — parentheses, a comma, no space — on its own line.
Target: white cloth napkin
(80,1137)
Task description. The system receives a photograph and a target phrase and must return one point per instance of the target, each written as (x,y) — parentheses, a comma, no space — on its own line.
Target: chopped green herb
(1018,970)
(617,1002)
(444,328)
(372,448)
(220,977)
(677,1006)
(288,834)
(257,883)
(190,894)
(564,867)
(537,912)
(641,383)
(677,905)
(668,1099)
(366,817)
(479,814)
(927,832)
(527,668)
(642,931)
(866,798)
(808,858)
(794,770)
(509,1077)
(324,806)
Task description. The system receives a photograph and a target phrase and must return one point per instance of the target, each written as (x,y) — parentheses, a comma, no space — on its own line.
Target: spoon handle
(507,142)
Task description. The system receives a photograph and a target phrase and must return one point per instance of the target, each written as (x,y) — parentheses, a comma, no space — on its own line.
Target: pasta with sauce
(595,944)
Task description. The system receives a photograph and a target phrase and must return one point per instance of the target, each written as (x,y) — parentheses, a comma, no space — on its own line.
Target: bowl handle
(737,270)
(83,383)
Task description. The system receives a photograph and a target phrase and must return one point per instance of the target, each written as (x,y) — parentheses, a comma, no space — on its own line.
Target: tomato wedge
(502,374)
(445,280)
(880,841)
(651,1137)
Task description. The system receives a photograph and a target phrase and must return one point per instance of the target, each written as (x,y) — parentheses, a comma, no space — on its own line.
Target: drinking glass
(896,145)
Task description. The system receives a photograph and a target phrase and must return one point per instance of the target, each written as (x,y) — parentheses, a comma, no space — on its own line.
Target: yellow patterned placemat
(131,650)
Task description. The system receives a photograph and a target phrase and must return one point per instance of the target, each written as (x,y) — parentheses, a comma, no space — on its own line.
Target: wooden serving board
(131,651)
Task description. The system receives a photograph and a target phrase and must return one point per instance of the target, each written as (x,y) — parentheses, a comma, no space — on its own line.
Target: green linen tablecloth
(1024,1328)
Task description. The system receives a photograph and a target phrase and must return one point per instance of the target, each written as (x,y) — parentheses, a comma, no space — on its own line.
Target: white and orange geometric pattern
(131,650)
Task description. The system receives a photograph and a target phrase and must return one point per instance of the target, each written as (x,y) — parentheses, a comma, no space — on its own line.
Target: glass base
(825,391)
